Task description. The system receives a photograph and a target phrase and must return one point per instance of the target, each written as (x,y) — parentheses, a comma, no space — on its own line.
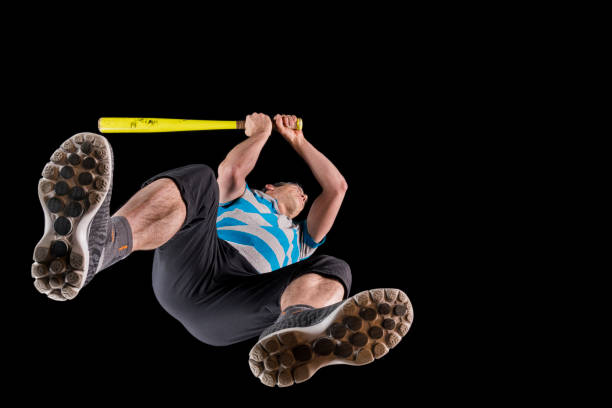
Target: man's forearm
(322,168)
(242,158)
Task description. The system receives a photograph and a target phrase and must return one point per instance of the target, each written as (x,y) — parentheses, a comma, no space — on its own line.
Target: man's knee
(335,263)
(335,267)
(205,180)
(192,175)
(204,173)
(204,170)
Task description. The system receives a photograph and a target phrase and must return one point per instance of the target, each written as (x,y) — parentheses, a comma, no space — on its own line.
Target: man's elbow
(228,170)
(336,188)
(342,186)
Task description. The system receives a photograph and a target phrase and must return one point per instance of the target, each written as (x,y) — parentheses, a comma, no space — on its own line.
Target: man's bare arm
(324,170)
(241,160)
(326,206)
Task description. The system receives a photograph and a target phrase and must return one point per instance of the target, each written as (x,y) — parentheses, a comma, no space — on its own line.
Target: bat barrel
(153,125)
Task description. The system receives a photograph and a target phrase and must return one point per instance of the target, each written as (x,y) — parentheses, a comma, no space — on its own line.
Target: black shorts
(207,285)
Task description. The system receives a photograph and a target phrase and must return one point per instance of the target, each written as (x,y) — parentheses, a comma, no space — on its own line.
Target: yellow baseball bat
(155,125)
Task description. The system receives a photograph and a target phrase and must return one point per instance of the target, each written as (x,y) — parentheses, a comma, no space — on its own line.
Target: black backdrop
(404,223)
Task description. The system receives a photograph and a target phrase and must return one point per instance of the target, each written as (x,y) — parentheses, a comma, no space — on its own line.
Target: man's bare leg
(155,214)
(312,289)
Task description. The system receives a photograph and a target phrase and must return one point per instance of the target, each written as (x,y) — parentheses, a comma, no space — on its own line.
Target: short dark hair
(282,183)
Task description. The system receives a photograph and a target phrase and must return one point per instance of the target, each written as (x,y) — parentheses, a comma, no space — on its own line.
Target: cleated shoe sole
(74,192)
(355,331)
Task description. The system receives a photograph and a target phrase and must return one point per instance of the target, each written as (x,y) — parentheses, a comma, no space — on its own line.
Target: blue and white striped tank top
(268,239)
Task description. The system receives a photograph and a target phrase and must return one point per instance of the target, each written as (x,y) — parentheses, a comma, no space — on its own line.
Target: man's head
(290,196)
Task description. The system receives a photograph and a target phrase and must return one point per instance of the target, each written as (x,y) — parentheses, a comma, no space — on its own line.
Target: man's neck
(282,209)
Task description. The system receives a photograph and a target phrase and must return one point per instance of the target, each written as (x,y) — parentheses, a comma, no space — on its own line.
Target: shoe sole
(363,328)
(75,184)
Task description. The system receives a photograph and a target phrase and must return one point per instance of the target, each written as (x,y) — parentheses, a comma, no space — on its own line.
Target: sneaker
(355,331)
(75,194)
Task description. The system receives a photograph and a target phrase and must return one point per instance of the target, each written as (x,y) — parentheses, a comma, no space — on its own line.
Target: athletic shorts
(207,285)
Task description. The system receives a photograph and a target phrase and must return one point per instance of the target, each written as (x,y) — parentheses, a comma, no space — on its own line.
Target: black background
(396,132)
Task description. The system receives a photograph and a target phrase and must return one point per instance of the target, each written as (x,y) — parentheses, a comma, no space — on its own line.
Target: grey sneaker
(354,331)
(75,194)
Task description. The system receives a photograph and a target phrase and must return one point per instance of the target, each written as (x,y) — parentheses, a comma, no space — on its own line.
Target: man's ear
(269,187)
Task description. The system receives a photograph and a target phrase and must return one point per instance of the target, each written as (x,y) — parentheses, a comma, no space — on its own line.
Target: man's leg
(313,290)
(320,326)
(155,214)
(147,221)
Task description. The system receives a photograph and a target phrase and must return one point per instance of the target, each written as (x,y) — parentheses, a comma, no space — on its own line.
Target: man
(229,263)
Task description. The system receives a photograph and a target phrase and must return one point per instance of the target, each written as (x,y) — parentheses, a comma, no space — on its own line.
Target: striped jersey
(268,239)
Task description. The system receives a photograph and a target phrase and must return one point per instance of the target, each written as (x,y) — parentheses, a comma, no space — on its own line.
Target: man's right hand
(258,125)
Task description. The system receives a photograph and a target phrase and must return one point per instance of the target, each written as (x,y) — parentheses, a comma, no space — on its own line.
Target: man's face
(291,198)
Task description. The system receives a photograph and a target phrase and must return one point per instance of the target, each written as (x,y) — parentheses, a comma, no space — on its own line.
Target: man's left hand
(284,125)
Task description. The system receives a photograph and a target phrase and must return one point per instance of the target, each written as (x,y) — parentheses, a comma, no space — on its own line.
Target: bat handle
(240,124)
